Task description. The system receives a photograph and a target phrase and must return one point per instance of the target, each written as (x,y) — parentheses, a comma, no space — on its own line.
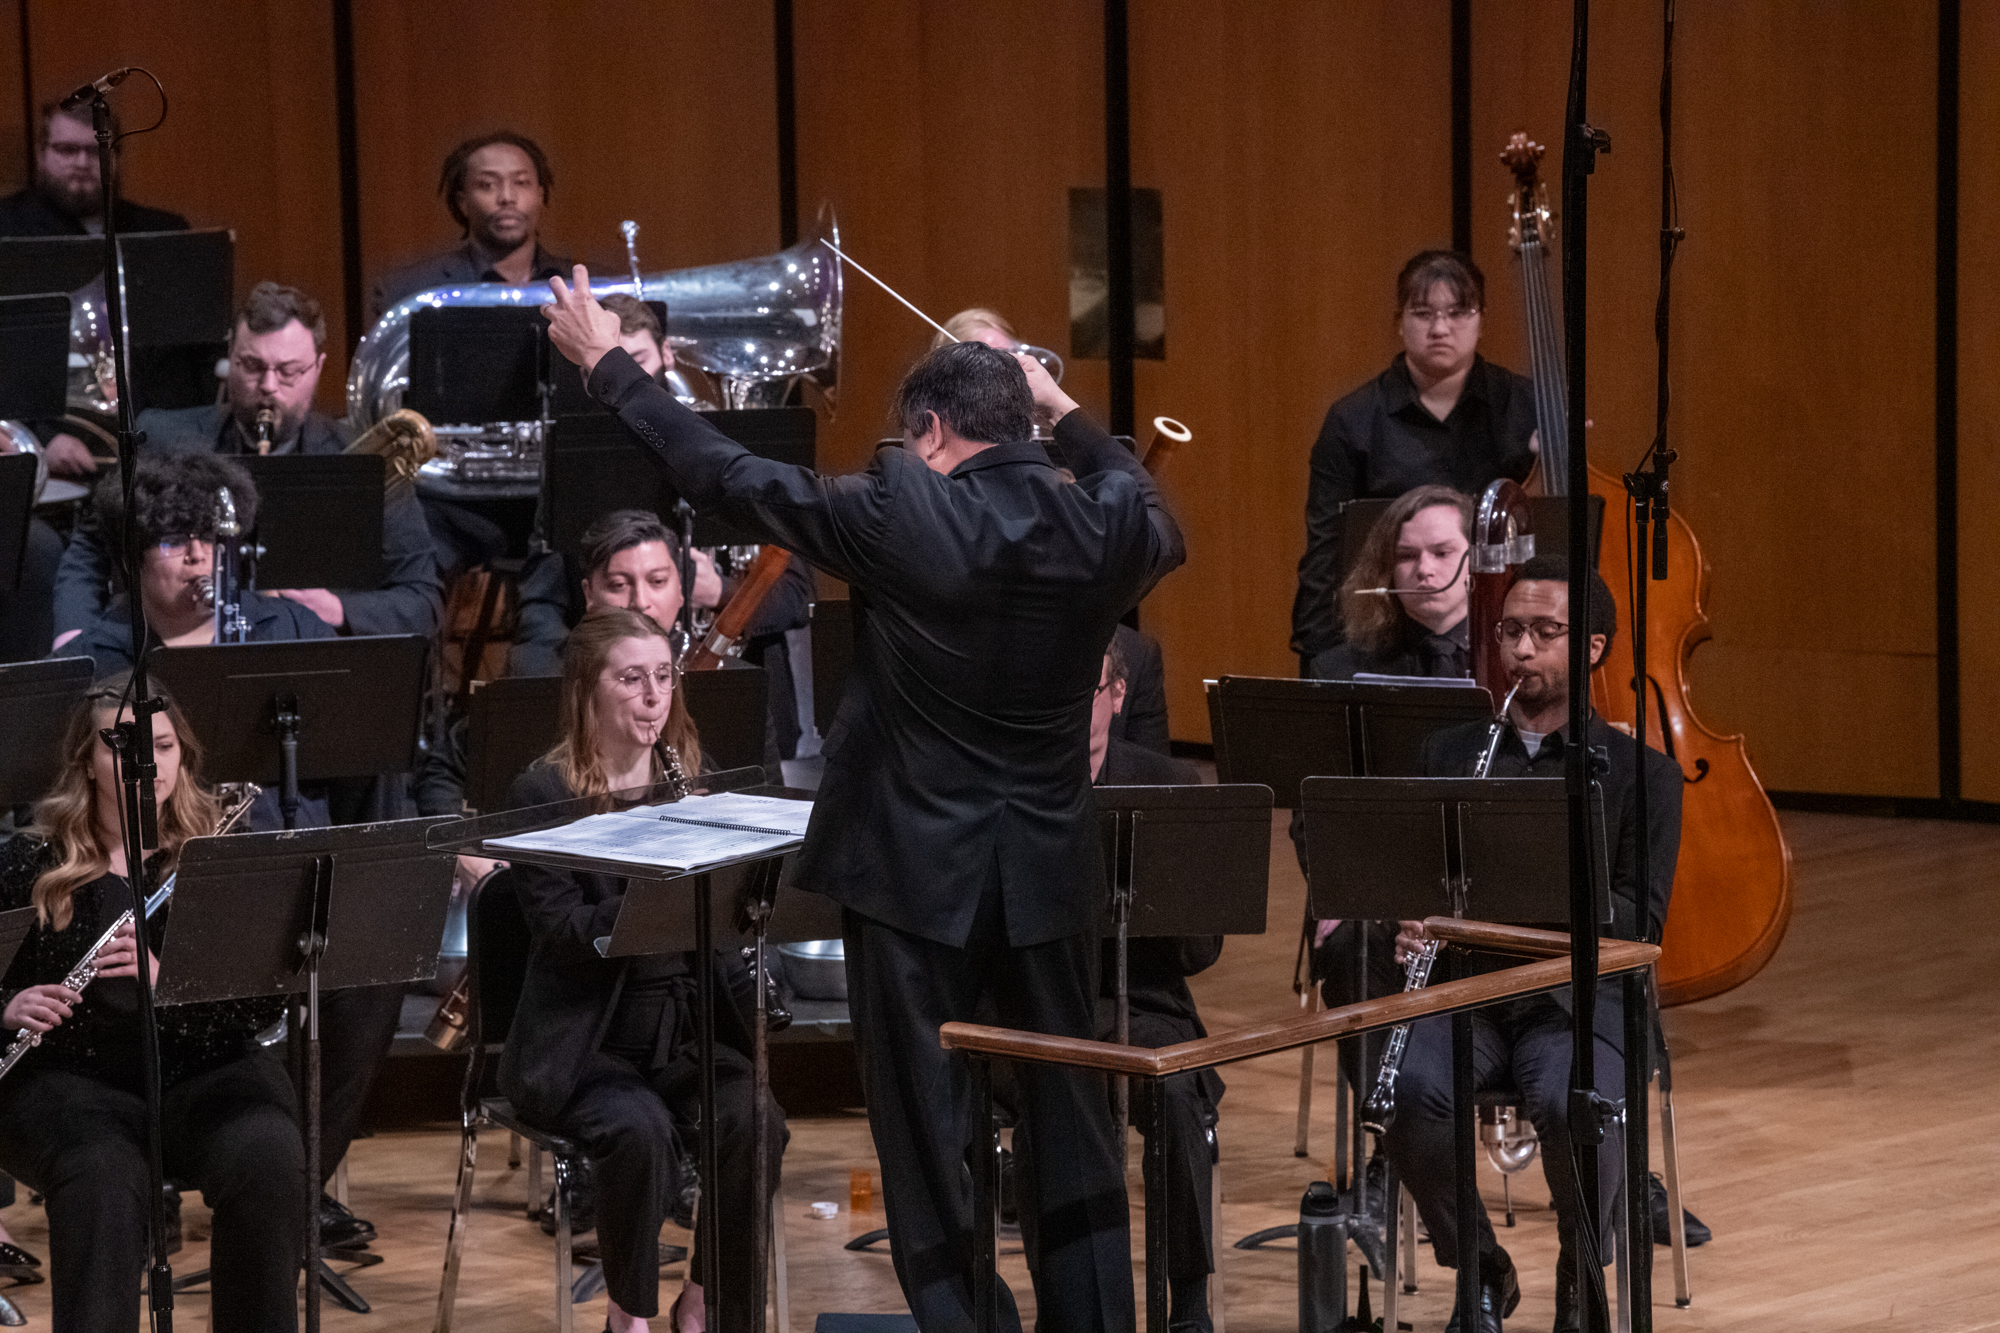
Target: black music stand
(474,364)
(1280,732)
(670,912)
(14,928)
(284,913)
(1404,849)
(319,520)
(590,471)
(284,713)
(34,356)
(36,701)
(17,506)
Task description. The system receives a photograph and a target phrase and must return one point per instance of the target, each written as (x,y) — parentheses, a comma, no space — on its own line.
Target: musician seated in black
(67,197)
(72,1113)
(1162,1012)
(276,354)
(1440,414)
(604,1050)
(1524,1045)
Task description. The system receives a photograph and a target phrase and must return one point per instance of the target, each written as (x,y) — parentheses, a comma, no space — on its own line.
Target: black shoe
(1010,1207)
(19,1266)
(579,1192)
(1697,1234)
(340,1229)
(1568,1318)
(689,1197)
(1499,1293)
(1189,1306)
(1367,1229)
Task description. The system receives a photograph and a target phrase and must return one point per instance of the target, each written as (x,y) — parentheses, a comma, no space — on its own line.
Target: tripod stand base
(331,1281)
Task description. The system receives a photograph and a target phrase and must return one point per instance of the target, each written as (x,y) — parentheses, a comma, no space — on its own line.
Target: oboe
(85,970)
(1380,1109)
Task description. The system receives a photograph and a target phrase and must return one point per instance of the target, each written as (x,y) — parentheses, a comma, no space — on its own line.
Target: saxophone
(242,796)
(1380,1109)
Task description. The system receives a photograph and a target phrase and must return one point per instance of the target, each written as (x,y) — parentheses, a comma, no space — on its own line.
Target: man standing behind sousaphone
(954,824)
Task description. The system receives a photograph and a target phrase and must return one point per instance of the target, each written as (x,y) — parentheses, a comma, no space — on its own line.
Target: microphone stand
(1587,1112)
(132,742)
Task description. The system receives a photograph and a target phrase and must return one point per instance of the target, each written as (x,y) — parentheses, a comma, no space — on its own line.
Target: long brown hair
(590,644)
(67,817)
(1374,624)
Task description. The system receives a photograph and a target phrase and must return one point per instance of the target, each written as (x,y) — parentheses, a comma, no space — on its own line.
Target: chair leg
(1676,1219)
(461,1218)
(1409,1243)
(1215,1239)
(535,1181)
(513,1151)
(781,1294)
(1507,1195)
(1392,1194)
(1300,1146)
(565,1278)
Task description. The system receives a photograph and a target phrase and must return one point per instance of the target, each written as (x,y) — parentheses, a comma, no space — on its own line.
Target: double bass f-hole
(1667,733)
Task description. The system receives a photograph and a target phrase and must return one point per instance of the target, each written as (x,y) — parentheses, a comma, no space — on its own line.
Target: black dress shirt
(464,262)
(959,764)
(29,212)
(409,600)
(1416,652)
(1381,441)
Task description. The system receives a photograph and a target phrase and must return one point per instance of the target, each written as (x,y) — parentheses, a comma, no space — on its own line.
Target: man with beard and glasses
(495,186)
(67,198)
(275,358)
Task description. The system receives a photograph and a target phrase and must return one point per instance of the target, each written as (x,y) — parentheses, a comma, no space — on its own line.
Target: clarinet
(85,970)
(1379,1111)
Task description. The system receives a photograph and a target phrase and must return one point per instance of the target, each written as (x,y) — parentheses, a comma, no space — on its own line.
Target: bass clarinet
(1380,1109)
(85,970)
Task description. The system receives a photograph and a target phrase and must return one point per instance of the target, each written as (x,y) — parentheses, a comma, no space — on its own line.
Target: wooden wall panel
(1979,400)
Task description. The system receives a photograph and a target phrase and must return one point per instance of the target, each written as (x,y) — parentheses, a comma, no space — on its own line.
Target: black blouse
(101,1038)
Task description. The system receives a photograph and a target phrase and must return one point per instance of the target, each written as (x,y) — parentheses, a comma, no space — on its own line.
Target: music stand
(279,913)
(34,356)
(17,506)
(36,701)
(470,365)
(284,713)
(665,912)
(319,520)
(1190,860)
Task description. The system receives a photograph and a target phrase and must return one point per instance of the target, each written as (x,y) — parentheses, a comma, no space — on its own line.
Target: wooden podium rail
(982,1044)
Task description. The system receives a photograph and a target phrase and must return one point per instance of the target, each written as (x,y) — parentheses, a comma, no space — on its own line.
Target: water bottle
(1323,1229)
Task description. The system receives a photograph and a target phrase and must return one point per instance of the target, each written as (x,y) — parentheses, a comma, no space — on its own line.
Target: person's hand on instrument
(121,957)
(69,457)
(39,1008)
(472,869)
(1048,395)
(326,605)
(1410,940)
(581,329)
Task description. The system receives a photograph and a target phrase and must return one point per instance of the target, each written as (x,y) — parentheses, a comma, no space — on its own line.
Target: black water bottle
(1323,1228)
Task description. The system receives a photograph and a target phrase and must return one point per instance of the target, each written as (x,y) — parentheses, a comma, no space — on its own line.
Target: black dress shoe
(1697,1234)
(1499,1293)
(580,1192)
(1189,1306)
(1367,1229)
(19,1266)
(340,1229)
(1568,1319)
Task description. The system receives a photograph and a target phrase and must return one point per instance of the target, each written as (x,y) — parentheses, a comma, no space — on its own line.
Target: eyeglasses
(1458,314)
(176,548)
(289,373)
(632,681)
(1546,632)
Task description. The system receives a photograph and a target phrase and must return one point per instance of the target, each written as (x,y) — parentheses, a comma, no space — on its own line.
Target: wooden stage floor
(1839,1116)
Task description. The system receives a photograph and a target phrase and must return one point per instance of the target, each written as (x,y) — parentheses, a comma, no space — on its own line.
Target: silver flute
(1379,1111)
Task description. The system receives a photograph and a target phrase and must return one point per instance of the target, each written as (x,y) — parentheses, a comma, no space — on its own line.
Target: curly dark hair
(451,180)
(173,495)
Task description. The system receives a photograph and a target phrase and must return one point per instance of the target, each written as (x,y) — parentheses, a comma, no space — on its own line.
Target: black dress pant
(633,1127)
(900,989)
(1335,964)
(1523,1045)
(356,1028)
(232,1132)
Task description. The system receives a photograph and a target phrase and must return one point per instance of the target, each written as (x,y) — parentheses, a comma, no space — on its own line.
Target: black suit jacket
(959,761)
(1143,720)
(28,212)
(408,600)
(464,262)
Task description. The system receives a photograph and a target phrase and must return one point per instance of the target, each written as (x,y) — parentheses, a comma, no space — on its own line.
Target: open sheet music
(684,835)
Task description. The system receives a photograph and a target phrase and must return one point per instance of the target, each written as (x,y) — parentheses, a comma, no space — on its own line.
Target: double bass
(1732,896)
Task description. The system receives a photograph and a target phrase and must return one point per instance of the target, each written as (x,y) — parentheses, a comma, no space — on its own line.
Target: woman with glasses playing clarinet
(603,1050)
(73,1112)
(1441,415)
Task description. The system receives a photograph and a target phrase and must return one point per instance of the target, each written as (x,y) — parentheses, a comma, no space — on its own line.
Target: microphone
(91,91)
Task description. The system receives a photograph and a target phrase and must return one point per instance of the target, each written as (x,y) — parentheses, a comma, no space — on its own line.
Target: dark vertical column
(1118,213)
(1949,765)
(1461,126)
(27,95)
(350,170)
(788,127)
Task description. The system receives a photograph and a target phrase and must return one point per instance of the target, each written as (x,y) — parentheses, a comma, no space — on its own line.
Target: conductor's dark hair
(1431,267)
(451,180)
(981,393)
(173,495)
(621,530)
(1602,615)
(272,305)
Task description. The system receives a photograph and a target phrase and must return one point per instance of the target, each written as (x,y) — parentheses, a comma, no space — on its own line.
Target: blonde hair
(970,321)
(1374,624)
(66,818)
(575,755)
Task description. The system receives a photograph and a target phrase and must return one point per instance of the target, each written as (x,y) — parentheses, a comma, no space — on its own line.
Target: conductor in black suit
(955,823)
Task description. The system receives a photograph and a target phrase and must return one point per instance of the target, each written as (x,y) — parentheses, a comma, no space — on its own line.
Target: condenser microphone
(91,91)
